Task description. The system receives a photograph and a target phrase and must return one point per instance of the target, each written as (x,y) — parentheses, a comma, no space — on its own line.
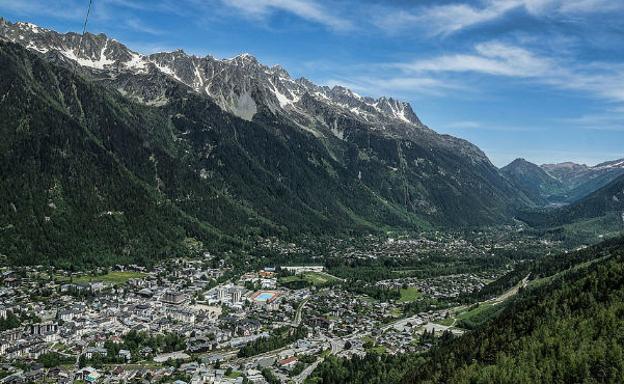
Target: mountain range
(606,201)
(110,155)
(567,193)
(563,183)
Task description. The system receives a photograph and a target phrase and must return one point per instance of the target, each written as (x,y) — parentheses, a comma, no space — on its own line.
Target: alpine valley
(139,156)
(169,218)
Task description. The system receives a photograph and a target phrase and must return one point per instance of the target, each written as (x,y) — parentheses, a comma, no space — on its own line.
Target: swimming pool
(264,296)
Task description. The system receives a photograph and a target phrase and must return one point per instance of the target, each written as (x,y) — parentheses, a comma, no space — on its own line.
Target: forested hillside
(74,189)
(538,185)
(564,328)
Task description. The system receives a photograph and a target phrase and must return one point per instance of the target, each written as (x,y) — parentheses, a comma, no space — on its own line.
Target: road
(511,292)
(300,378)
(298,315)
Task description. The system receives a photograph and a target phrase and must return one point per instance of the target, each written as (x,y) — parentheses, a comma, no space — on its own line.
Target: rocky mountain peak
(239,84)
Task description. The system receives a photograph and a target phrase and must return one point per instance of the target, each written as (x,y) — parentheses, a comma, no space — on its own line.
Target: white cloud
(605,80)
(468,124)
(306,9)
(139,26)
(492,58)
(397,86)
(610,120)
(449,18)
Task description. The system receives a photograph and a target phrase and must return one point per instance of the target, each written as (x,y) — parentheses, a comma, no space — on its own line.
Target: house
(91,352)
(146,351)
(173,298)
(88,374)
(288,364)
(124,353)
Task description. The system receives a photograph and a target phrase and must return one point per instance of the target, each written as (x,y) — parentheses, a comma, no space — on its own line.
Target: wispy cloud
(305,9)
(610,120)
(139,26)
(397,86)
(605,80)
(467,124)
(493,58)
(449,18)
(72,11)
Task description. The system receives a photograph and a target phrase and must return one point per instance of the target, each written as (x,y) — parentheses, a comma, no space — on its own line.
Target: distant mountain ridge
(534,181)
(604,201)
(581,180)
(563,183)
(225,159)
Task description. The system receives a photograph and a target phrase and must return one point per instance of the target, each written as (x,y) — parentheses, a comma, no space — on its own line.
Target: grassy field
(478,315)
(318,279)
(234,374)
(409,294)
(117,277)
(448,321)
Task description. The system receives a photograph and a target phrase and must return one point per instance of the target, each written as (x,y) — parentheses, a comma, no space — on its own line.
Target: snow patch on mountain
(238,85)
(100,63)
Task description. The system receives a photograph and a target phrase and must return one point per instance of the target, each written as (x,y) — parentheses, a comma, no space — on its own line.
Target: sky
(537,79)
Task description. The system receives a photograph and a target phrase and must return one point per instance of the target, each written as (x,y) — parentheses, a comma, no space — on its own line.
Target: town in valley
(211,319)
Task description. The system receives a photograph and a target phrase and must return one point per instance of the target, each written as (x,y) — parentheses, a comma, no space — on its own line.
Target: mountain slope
(580,180)
(232,156)
(90,174)
(532,180)
(64,193)
(606,200)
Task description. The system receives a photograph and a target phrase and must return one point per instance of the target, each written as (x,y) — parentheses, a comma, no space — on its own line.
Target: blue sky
(539,79)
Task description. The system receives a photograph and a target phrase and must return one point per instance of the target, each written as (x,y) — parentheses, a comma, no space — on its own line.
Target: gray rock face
(239,85)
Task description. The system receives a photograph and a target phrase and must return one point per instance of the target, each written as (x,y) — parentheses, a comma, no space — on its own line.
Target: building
(221,294)
(65,315)
(95,351)
(124,353)
(173,298)
(88,374)
(184,316)
(237,294)
(43,328)
(304,268)
(288,364)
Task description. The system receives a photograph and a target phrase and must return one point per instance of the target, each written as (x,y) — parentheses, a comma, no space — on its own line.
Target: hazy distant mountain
(140,156)
(606,200)
(580,180)
(559,184)
(536,183)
